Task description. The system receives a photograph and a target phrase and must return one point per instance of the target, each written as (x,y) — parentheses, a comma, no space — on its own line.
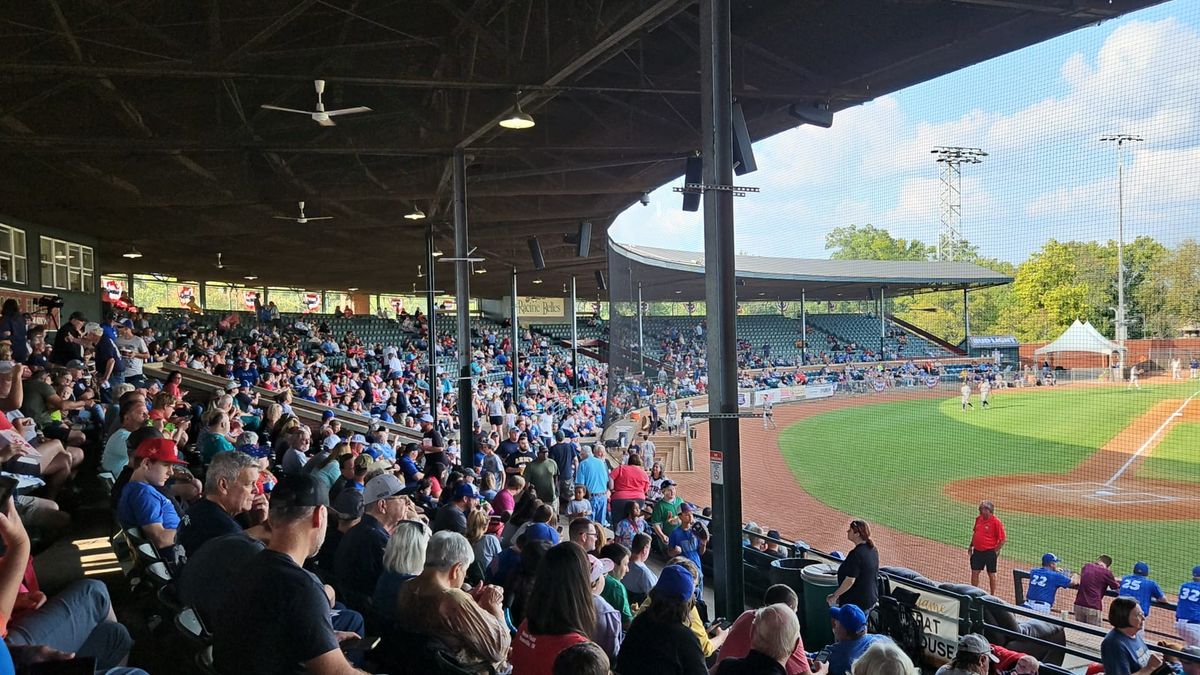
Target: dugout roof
(667,274)
(139,122)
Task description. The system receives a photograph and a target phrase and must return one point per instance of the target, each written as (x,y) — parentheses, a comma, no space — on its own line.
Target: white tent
(1081,337)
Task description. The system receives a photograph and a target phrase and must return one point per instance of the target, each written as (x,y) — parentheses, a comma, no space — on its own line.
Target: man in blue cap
(851,639)
(1187,611)
(453,515)
(1044,583)
(1140,587)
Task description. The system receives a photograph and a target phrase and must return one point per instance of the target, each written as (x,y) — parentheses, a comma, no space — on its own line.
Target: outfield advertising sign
(822,390)
(939,617)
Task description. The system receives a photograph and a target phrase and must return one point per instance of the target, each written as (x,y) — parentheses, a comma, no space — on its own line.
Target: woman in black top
(659,641)
(858,576)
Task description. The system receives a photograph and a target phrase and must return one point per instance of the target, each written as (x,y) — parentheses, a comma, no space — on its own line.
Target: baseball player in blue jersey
(1140,588)
(1187,610)
(1044,583)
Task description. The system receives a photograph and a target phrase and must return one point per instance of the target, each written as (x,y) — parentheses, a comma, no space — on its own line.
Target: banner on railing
(822,390)
(939,615)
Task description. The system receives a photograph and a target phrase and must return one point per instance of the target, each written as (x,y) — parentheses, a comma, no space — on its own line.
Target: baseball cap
(1141,568)
(76,363)
(1049,558)
(381,487)
(467,490)
(77,316)
(540,532)
(427,418)
(159,450)
(599,567)
(676,583)
(1196,571)
(327,415)
(667,483)
(686,508)
(127,323)
(852,618)
(299,490)
(358,438)
(349,504)
(255,451)
(973,643)
(232,385)
(331,441)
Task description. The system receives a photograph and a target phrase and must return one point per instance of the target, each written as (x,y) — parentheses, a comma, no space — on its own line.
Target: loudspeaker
(693,173)
(535,252)
(585,239)
(600,284)
(743,154)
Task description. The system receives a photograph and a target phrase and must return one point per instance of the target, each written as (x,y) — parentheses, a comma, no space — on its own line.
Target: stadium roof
(667,274)
(140,122)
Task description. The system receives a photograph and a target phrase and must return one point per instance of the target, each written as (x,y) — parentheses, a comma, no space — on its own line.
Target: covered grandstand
(153,139)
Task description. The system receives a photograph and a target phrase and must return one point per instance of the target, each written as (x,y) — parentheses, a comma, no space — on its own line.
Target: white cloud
(1048,175)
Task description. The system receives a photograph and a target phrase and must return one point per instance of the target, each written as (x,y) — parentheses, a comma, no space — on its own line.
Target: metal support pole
(882,325)
(716,123)
(516,345)
(574,337)
(641,350)
(803,328)
(430,308)
(462,298)
(1122,331)
(966,317)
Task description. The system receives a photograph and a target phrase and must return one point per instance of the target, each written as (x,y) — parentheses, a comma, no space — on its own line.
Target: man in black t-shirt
(433,446)
(276,616)
(515,463)
(68,340)
(229,486)
(509,445)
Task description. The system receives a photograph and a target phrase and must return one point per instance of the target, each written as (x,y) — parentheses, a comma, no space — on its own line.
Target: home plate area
(1112,494)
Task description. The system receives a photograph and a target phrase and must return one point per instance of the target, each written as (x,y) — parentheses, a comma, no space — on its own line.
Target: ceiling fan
(220,264)
(303,218)
(320,115)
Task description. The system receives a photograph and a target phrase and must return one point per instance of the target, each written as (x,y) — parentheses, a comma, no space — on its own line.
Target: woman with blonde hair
(884,658)
(485,544)
(403,559)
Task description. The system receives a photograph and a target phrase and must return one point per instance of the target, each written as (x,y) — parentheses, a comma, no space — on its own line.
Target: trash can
(786,571)
(819,581)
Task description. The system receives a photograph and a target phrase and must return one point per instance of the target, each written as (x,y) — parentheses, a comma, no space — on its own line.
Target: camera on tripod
(49,302)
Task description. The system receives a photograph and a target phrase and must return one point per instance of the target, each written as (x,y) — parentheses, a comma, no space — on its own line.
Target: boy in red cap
(142,505)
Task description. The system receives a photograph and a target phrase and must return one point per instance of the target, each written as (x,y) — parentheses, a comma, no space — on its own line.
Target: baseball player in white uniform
(985,389)
(1133,378)
(965,389)
(768,414)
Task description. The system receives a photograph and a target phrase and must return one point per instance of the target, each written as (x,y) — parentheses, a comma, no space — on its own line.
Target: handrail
(303,408)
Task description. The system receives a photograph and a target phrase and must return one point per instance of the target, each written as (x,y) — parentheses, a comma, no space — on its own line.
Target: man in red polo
(986,541)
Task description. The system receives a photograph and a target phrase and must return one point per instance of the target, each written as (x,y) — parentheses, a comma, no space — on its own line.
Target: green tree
(871,243)
(1048,293)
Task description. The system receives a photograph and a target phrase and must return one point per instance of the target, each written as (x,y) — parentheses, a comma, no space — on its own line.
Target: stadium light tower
(951,239)
(1122,328)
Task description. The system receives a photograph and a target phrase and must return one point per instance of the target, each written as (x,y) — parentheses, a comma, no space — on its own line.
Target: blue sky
(1039,114)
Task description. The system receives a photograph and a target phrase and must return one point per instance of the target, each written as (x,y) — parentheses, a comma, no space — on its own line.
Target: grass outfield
(888,462)
(1177,457)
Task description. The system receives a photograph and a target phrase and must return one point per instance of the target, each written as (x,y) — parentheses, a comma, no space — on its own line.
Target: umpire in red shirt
(986,541)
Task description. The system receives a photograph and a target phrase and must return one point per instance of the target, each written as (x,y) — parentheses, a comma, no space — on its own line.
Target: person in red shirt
(740,634)
(560,612)
(1094,579)
(986,541)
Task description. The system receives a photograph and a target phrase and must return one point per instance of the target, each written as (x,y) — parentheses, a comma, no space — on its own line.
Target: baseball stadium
(600,337)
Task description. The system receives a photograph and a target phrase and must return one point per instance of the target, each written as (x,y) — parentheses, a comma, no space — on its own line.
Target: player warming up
(769,415)
(985,390)
(1133,378)
(965,390)
(1187,611)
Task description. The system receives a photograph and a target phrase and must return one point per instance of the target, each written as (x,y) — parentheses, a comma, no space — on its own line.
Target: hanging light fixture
(517,118)
(537,281)
(250,277)
(437,252)
(481,270)
(415,214)
(132,253)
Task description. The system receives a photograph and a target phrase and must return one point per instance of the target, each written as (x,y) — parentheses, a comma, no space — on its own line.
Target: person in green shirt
(614,591)
(665,518)
(216,438)
(542,474)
